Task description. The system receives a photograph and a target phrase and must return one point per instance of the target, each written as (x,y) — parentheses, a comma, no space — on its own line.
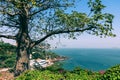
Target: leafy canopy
(48,17)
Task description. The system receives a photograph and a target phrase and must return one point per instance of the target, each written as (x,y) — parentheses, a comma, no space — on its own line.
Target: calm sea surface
(92,59)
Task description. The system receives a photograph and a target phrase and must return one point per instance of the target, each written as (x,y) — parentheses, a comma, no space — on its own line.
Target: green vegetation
(7,55)
(76,74)
(111,74)
(44,55)
(55,68)
(50,75)
(41,51)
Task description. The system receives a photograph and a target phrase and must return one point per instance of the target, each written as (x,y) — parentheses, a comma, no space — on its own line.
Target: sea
(90,59)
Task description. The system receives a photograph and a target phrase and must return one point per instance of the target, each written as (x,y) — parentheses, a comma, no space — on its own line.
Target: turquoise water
(92,59)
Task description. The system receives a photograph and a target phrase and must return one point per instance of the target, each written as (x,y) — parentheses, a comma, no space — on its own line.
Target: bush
(39,75)
(51,75)
(56,67)
(111,74)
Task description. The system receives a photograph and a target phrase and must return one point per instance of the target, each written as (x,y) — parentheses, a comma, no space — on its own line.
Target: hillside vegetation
(8,54)
(76,74)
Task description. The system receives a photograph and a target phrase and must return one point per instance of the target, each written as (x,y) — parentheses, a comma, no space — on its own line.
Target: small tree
(30,22)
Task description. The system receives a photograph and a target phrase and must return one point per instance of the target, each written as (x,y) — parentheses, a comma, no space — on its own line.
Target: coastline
(61,58)
(45,63)
(91,59)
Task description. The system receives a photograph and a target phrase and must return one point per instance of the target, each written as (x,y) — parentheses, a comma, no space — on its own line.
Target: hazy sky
(91,41)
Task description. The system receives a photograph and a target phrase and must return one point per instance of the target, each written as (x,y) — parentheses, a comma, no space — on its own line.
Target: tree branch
(45,8)
(58,32)
(9,25)
(12,14)
(8,36)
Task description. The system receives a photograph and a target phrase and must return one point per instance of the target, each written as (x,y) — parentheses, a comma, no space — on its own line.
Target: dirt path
(6,75)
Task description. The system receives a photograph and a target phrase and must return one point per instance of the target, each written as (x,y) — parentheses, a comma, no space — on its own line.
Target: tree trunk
(23,47)
(23,53)
(22,62)
(23,43)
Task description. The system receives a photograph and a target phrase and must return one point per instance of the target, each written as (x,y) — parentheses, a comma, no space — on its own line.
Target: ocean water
(91,59)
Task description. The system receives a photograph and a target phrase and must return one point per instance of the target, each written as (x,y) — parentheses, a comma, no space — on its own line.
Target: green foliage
(7,55)
(38,75)
(98,24)
(42,51)
(6,47)
(44,55)
(49,18)
(111,74)
(80,71)
(56,75)
(76,74)
(96,6)
(56,67)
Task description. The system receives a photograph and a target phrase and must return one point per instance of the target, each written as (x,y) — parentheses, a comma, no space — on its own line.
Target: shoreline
(61,58)
(45,62)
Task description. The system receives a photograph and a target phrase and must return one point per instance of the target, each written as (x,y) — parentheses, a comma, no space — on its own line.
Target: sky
(92,41)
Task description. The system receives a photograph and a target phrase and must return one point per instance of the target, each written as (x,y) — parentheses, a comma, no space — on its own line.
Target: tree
(30,22)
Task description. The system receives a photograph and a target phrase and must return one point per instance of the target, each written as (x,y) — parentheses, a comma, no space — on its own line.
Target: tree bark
(22,63)
(23,53)
(23,44)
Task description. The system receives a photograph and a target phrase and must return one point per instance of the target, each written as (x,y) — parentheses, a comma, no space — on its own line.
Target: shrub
(51,75)
(39,75)
(111,74)
(55,67)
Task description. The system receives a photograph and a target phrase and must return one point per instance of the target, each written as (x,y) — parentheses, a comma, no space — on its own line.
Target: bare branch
(12,14)
(58,32)
(8,36)
(4,24)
